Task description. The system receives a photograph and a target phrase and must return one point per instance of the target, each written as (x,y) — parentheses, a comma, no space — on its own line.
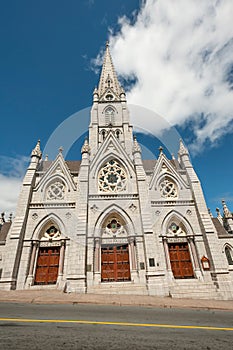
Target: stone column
(167,256)
(61,258)
(32,264)
(195,258)
(132,253)
(97,255)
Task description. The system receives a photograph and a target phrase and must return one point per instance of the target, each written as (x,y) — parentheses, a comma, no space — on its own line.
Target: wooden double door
(180,259)
(47,265)
(115,265)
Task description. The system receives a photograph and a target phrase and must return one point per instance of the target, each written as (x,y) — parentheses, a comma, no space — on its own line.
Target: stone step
(194,289)
(118,288)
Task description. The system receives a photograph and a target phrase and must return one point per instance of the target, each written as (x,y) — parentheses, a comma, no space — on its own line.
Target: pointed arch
(178,218)
(109,113)
(228,250)
(50,219)
(114,209)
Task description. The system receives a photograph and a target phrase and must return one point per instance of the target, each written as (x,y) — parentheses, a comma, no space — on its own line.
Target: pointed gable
(58,169)
(112,148)
(164,167)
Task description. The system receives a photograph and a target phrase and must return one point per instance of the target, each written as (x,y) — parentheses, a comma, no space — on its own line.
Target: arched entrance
(47,257)
(115,254)
(178,255)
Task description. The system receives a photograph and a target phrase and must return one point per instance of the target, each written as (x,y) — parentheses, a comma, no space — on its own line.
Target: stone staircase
(193,289)
(130,288)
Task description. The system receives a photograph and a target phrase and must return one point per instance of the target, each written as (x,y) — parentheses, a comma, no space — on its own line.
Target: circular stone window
(168,189)
(112,178)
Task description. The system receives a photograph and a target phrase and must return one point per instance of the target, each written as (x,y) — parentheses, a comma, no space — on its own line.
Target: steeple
(108,77)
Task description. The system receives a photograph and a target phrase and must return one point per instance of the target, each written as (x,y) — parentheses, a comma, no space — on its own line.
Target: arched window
(118,134)
(109,116)
(228,253)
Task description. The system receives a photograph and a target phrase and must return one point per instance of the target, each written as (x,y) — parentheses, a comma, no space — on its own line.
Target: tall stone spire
(108,77)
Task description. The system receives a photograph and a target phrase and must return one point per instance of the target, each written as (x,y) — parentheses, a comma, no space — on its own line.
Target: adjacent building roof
(222,232)
(4,229)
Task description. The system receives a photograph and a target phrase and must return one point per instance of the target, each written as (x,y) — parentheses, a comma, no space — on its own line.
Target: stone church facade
(113,222)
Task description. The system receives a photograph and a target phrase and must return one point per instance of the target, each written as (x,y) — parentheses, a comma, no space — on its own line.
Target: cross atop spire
(108,77)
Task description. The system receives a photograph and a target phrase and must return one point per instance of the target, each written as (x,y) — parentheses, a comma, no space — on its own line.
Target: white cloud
(181,53)
(9,189)
(12,171)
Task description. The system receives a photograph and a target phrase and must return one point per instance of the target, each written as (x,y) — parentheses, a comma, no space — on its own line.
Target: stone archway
(115,251)
(47,256)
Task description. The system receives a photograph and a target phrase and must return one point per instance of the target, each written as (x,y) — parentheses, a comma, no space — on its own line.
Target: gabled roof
(73,165)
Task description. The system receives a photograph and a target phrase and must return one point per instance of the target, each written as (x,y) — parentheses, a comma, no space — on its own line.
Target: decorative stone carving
(112,177)
(175,230)
(68,215)
(168,189)
(94,208)
(132,207)
(114,228)
(56,191)
(51,233)
(35,216)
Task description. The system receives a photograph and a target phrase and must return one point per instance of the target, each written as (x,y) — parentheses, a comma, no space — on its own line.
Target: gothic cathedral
(113,222)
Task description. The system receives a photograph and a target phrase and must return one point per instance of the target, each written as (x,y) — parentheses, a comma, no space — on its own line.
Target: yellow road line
(116,324)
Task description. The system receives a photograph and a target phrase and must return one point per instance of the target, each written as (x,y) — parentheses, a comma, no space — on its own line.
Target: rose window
(168,189)
(56,191)
(112,178)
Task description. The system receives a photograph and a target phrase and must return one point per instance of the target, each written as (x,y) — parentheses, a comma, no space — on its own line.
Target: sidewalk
(58,297)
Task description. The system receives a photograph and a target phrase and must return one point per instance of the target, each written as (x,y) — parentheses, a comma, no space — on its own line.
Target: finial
(183,150)
(86,147)
(219,216)
(10,217)
(173,157)
(209,211)
(60,149)
(36,151)
(226,211)
(46,158)
(107,44)
(136,147)
(3,217)
(161,149)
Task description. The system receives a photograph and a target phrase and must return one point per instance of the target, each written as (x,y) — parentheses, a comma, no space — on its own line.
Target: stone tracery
(112,177)
(168,189)
(56,191)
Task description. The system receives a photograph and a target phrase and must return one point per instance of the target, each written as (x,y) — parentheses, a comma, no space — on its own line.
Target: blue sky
(178,66)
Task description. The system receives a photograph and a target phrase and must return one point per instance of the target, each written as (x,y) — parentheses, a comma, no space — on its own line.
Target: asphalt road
(31,326)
